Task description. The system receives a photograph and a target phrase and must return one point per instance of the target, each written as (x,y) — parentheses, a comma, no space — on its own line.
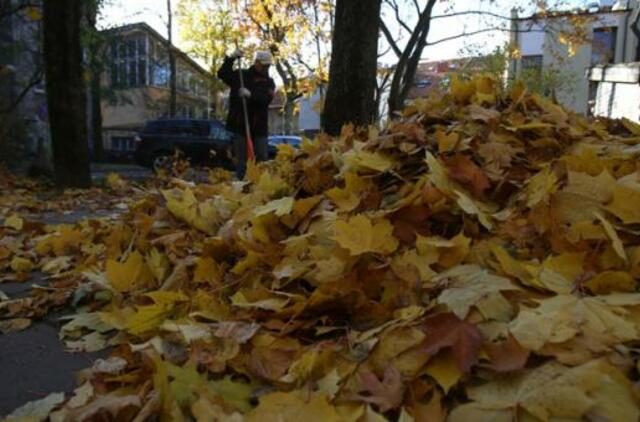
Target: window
(122,143)
(129,58)
(158,65)
(603,49)
(423,83)
(532,63)
(186,79)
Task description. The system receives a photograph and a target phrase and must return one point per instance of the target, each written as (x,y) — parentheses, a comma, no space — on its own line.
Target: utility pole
(172,63)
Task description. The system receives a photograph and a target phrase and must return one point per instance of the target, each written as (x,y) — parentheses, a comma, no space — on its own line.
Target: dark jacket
(262,91)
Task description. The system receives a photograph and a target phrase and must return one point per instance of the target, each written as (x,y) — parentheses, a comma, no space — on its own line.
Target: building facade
(136,85)
(618,91)
(610,29)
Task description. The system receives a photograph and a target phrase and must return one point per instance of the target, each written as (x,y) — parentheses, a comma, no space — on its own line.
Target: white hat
(264,57)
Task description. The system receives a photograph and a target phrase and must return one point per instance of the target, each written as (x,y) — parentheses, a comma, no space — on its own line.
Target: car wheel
(161,162)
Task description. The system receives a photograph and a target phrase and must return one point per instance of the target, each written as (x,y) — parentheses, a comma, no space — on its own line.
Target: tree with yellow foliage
(296,32)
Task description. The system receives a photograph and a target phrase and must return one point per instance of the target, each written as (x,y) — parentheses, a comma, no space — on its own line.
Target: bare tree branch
(480,31)
(394,5)
(392,43)
(471,12)
(384,52)
(417,6)
(33,81)
(304,63)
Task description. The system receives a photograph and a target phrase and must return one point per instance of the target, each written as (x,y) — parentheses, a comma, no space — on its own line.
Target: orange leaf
(507,356)
(448,331)
(464,171)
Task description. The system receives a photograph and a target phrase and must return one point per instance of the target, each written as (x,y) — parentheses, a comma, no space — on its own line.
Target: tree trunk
(173,91)
(352,72)
(289,115)
(405,70)
(96,67)
(96,116)
(66,96)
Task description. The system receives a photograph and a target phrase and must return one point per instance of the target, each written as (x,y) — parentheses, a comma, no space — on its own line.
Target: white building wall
(618,100)
(308,118)
(575,95)
(531,43)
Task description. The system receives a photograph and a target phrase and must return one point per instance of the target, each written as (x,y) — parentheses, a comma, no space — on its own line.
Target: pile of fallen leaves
(478,259)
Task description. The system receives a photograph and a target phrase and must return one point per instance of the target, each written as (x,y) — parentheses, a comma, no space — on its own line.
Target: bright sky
(154,13)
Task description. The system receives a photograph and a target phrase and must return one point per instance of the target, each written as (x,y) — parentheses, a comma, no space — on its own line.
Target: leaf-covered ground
(477,260)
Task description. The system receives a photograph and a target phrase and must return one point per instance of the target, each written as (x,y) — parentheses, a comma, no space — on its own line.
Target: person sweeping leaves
(251,92)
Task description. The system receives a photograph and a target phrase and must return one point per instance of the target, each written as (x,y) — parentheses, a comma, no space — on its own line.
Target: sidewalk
(100,171)
(34,362)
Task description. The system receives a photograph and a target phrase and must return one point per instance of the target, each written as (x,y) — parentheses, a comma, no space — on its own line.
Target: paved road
(100,171)
(33,362)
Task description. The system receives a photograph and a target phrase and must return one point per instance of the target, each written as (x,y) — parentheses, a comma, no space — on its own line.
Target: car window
(220,133)
(290,140)
(186,128)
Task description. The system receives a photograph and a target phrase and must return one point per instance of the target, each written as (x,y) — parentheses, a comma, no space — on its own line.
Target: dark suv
(203,142)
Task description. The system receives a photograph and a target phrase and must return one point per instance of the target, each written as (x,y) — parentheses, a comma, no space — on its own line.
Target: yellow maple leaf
(612,281)
(358,159)
(599,188)
(469,285)
(625,204)
(485,90)
(129,275)
(360,235)
(587,161)
(563,318)
(392,344)
(462,90)
(348,198)
(451,252)
(205,216)
(447,142)
(473,207)
(57,265)
(115,182)
(291,407)
(21,265)
(279,207)
(311,364)
(207,269)
(149,317)
(559,273)
(541,186)
(444,370)
(413,267)
(158,264)
(14,222)
(268,303)
(553,391)
(63,241)
(613,236)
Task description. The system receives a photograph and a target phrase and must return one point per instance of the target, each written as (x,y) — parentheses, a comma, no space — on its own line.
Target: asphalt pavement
(34,362)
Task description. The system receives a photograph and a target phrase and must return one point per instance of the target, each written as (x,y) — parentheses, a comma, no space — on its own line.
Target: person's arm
(264,98)
(226,73)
